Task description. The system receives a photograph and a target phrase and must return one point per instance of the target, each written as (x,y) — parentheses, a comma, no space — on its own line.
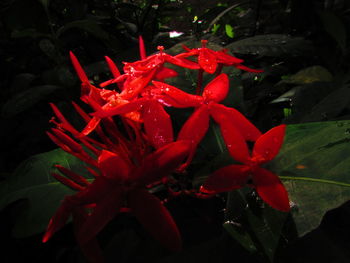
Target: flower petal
(136,85)
(142,48)
(112,67)
(78,68)
(217,89)
(226,179)
(120,109)
(113,166)
(247,129)
(196,126)
(207,60)
(245,68)
(181,98)
(90,249)
(270,189)
(164,73)
(158,124)
(268,145)
(234,140)
(104,211)
(181,62)
(162,162)
(155,218)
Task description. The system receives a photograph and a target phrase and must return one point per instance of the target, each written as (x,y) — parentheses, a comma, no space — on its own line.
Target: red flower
(122,184)
(232,177)
(209,59)
(206,105)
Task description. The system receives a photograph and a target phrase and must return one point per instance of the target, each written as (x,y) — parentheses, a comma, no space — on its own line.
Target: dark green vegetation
(302,47)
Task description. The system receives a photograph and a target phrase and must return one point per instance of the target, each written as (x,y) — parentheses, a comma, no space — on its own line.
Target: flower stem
(308,179)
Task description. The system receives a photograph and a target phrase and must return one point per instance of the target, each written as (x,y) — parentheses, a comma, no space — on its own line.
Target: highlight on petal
(270,189)
(113,166)
(157,124)
(91,126)
(136,85)
(226,179)
(246,128)
(217,89)
(234,140)
(155,218)
(207,60)
(78,68)
(269,144)
(181,62)
(180,98)
(120,109)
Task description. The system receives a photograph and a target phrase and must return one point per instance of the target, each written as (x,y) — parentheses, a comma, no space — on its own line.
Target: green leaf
(32,180)
(229,31)
(318,151)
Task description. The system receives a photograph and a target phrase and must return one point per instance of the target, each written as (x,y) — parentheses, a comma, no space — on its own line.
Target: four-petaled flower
(231,177)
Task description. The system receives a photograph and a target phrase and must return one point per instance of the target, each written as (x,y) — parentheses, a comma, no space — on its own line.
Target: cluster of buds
(128,145)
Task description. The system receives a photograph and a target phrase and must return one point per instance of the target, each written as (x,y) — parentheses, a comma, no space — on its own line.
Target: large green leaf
(320,151)
(32,181)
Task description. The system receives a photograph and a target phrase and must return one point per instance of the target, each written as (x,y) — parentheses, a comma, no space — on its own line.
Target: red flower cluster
(128,145)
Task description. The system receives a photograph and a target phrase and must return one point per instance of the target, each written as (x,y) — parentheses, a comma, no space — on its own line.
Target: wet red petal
(113,166)
(270,189)
(196,126)
(217,89)
(121,109)
(158,124)
(78,68)
(234,140)
(226,179)
(247,129)
(91,126)
(155,218)
(207,60)
(104,211)
(165,73)
(136,85)
(268,145)
(181,98)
